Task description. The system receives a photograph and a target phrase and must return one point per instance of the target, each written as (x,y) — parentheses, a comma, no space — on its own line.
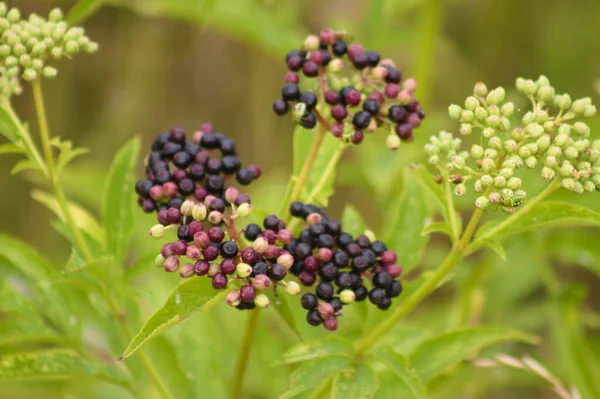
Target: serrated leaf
(439,353)
(401,367)
(189,297)
(118,200)
(24,164)
(495,246)
(356,383)
(352,221)
(83,219)
(10,148)
(282,306)
(82,10)
(311,374)
(316,350)
(404,221)
(437,227)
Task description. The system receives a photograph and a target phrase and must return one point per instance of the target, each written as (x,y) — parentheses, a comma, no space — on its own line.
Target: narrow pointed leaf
(437,227)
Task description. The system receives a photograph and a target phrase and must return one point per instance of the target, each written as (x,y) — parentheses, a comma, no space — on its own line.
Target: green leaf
(142,265)
(24,258)
(404,220)
(311,374)
(433,189)
(495,246)
(7,127)
(10,148)
(357,383)
(67,154)
(83,219)
(316,350)
(24,164)
(189,297)
(399,365)
(82,10)
(352,221)
(439,353)
(282,306)
(118,201)
(437,227)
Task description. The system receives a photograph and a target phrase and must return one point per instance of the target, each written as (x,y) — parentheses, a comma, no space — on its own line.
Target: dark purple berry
(179,247)
(177,135)
(394,289)
(244,176)
(307,279)
(397,113)
(247,293)
(259,268)
(352,98)
(246,306)
(373,58)
(325,57)
(215,184)
(219,281)
(340,259)
(297,268)
(324,291)
(228,146)
(363,241)
(316,229)
(210,253)
(361,119)
(290,92)
(360,293)
(393,75)
(196,172)
(295,63)
(215,234)
(344,280)
(170,149)
(332,97)
(271,222)
(292,53)
(191,148)
(309,120)
(228,266)
(277,272)
(311,264)
(143,187)
(183,233)
(148,205)
(339,48)
(385,303)
(186,186)
(336,304)
(202,157)
(179,174)
(175,202)
(405,131)
(353,249)
(162,176)
(306,237)
(382,279)
(339,112)
(377,296)
(344,240)
(328,272)
(280,106)
(210,140)
(230,164)
(356,281)
(371,106)
(360,264)
(297,209)
(309,301)
(309,99)
(201,267)
(360,61)
(252,232)
(378,247)
(160,141)
(310,69)
(313,318)
(182,159)
(229,249)
(325,241)
(302,251)
(333,227)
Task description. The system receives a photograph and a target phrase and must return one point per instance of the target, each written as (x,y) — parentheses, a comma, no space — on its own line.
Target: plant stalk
(38,98)
(243,354)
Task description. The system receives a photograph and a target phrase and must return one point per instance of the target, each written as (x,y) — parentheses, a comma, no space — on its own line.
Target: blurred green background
(165,63)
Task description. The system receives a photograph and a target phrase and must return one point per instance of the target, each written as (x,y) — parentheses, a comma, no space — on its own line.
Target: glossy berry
(310,69)
(313,318)
(379,247)
(290,92)
(216,235)
(332,97)
(277,272)
(309,301)
(215,184)
(247,293)
(252,231)
(339,112)
(186,186)
(371,106)
(395,289)
(309,99)
(385,303)
(328,272)
(382,279)
(230,164)
(393,75)
(336,304)
(361,294)
(210,253)
(340,259)
(344,280)
(361,119)
(244,176)
(324,291)
(271,222)
(229,249)
(210,140)
(344,239)
(309,120)
(228,266)
(143,187)
(183,233)
(259,268)
(339,48)
(352,98)
(377,296)
(280,106)
(182,159)
(219,281)
(373,58)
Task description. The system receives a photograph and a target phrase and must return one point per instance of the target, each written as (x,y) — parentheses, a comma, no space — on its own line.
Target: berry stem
(38,98)
(243,354)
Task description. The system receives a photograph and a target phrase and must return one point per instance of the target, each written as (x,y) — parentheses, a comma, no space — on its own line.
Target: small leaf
(82,10)
(189,297)
(437,227)
(316,350)
(495,246)
(67,156)
(357,383)
(24,164)
(311,374)
(24,258)
(281,304)
(83,219)
(352,221)
(439,353)
(118,201)
(404,220)
(400,366)
(10,148)
(7,127)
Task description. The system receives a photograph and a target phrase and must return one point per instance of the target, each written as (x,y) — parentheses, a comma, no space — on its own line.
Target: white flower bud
(454,111)
(482,202)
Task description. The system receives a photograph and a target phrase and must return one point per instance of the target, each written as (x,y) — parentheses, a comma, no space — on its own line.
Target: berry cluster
(339,265)
(546,136)
(27,44)
(177,169)
(373,96)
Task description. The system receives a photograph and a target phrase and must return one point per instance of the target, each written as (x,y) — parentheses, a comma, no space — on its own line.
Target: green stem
(422,292)
(243,354)
(38,99)
(451,212)
(146,362)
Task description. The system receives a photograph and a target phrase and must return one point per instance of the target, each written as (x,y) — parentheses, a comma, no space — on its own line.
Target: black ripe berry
(328,272)
(397,113)
(344,239)
(259,268)
(325,241)
(373,58)
(183,233)
(244,176)
(230,164)
(371,106)
(316,229)
(309,120)
(175,202)
(310,69)
(360,293)
(344,280)
(228,146)
(210,140)
(271,222)
(160,141)
(294,53)
(306,238)
(197,172)
(217,204)
(302,251)
(333,227)
(382,279)
(290,92)
(394,289)
(340,259)
(378,247)
(182,159)
(377,296)
(213,166)
(385,303)
(325,291)
(339,48)
(309,99)
(297,209)
(280,106)
(336,304)
(313,318)
(186,186)
(229,249)
(170,149)
(360,264)
(393,75)
(215,184)
(162,176)
(277,272)
(361,119)
(252,232)
(356,281)
(143,187)
(309,301)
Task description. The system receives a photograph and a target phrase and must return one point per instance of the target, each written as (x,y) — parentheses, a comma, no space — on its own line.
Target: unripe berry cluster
(372,96)
(26,45)
(196,169)
(547,137)
(340,267)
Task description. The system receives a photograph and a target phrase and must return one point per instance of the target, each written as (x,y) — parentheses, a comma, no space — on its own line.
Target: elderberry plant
(297,260)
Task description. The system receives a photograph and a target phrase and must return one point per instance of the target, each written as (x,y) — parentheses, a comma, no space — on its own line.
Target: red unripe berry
(353,97)
(392,90)
(291,77)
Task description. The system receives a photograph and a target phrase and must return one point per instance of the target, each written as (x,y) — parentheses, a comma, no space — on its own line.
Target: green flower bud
(581,129)
(30,75)
(4,50)
(2,8)
(541,116)
(516,160)
(488,165)
(507,109)
(4,24)
(56,53)
(49,72)
(499,182)
(531,162)
(504,124)
(493,121)
(564,102)
(493,110)
(589,111)
(471,103)
(593,155)
(90,47)
(434,160)
(546,93)
(481,114)
(347,296)
(478,186)
(581,145)
(561,140)
(480,89)
(37,64)
(482,202)
(490,153)
(487,181)
(488,132)
(534,130)
(554,151)
(520,84)
(476,151)
(466,129)
(506,172)
(460,190)
(71,47)
(589,186)
(495,142)
(551,161)
(510,146)
(159,261)
(578,107)
(467,116)
(493,98)
(530,87)
(457,162)
(431,149)
(13,15)
(454,111)
(514,183)
(517,134)
(199,212)
(25,60)
(494,197)
(578,188)
(543,142)
(548,174)
(567,170)
(571,153)
(543,81)
(524,152)
(596,179)
(549,126)
(243,270)
(55,15)
(19,49)
(528,118)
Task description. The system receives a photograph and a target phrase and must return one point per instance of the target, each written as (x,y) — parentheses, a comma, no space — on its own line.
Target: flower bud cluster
(178,169)
(548,138)
(349,106)
(26,46)
(340,267)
